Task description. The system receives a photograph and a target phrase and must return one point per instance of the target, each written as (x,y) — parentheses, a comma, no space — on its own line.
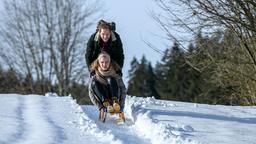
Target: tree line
(175,77)
(13,82)
(211,70)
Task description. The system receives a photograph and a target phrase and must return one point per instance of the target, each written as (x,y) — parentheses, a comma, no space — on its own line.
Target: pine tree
(194,78)
(176,80)
(137,83)
(151,83)
(131,90)
(142,79)
(134,67)
(161,69)
(12,83)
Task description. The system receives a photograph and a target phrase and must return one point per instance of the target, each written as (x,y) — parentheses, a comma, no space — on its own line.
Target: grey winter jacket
(121,92)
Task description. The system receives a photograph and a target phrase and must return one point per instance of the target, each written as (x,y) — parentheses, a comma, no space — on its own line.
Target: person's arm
(89,50)
(119,57)
(122,92)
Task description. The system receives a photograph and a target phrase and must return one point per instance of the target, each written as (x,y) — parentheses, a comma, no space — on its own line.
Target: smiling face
(104,62)
(105,34)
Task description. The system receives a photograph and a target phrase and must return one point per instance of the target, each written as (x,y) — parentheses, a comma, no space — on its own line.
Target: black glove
(119,72)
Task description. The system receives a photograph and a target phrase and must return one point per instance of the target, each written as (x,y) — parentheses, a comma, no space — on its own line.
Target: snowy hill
(34,119)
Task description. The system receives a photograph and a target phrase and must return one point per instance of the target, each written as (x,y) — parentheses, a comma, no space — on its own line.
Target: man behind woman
(104,57)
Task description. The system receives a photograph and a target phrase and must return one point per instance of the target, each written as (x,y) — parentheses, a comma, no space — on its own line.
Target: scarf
(102,75)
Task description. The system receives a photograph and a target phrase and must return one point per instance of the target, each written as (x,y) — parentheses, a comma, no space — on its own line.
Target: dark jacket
(115,49)
(121,92)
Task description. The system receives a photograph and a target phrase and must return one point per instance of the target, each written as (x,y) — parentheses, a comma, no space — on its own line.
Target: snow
(49,119)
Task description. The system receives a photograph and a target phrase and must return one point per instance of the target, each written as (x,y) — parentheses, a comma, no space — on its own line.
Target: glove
(116,107)
(110,109)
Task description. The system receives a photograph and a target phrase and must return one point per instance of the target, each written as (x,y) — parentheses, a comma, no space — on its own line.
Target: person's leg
(114,90)
(113,87)
(100,91)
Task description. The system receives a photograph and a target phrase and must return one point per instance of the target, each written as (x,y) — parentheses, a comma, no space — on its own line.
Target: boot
(116,105)
(110,108)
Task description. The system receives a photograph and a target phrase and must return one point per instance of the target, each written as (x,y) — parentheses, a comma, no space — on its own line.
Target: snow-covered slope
(34,119)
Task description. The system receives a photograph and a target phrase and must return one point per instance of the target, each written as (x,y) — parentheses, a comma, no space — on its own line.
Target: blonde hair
(104,55)
(95,65)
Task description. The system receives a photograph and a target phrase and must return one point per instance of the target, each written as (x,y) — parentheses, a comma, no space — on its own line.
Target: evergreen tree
(137,83)
(169,72)
(175,73)
(176,80)
(193,77)
(161,73)
(12,82)
(142,79)
(131,90)
(151,83)
(134,67)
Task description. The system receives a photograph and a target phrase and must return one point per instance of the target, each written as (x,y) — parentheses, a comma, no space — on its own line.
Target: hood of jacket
(97,36)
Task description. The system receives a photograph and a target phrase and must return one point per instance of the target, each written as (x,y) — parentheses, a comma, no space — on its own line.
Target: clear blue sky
(134,25)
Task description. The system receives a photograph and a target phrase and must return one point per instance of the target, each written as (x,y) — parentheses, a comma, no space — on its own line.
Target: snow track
(39,120)
(124,133)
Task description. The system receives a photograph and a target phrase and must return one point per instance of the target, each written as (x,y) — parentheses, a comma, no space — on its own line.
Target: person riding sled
(106,88)
(104,57)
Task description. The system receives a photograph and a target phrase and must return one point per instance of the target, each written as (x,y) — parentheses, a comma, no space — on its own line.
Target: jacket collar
(97,36)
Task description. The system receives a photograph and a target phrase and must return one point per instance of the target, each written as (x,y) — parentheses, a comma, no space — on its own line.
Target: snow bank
(50,94)
(157,131)
(85,124)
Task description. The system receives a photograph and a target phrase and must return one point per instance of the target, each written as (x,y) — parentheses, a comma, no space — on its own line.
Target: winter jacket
(121,92)
(115,48)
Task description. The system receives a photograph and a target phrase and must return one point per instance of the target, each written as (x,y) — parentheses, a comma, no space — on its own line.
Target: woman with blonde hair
(106,89)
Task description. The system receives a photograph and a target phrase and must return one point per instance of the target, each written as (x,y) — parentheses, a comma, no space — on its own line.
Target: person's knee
(98,90)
